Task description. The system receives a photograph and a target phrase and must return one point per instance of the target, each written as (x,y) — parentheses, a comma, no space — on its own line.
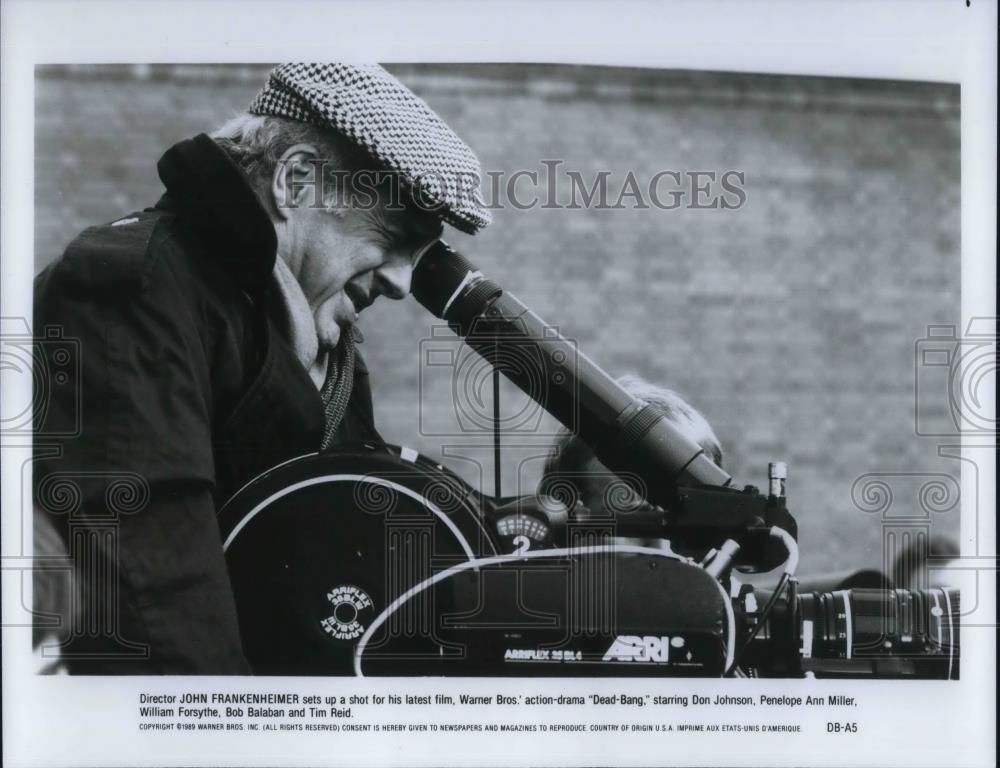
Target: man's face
(350,257)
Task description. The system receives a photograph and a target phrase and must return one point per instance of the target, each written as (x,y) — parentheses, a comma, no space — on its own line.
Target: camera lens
(875,632)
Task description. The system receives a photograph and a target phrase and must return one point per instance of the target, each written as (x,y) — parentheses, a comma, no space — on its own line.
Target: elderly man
(216,339)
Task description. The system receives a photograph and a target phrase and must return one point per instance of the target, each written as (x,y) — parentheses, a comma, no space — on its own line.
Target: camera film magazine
(670,440)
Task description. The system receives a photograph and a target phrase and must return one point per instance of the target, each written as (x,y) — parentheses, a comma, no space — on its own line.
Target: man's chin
(333,319)
(329,337)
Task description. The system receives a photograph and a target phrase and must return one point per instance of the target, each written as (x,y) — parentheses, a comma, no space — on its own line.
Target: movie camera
(376,560)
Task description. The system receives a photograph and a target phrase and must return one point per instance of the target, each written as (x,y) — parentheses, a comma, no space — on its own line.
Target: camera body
(374,560)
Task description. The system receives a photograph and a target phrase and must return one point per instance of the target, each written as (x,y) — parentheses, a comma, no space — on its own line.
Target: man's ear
(297,179)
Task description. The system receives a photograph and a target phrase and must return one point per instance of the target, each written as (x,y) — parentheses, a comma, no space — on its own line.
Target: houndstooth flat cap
(388,121)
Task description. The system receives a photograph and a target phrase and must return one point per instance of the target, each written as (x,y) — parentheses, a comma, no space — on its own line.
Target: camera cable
(788,572)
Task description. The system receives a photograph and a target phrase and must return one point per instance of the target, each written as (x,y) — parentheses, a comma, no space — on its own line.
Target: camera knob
(777,473)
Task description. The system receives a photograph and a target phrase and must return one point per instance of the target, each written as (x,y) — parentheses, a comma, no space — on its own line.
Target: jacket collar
(207,189)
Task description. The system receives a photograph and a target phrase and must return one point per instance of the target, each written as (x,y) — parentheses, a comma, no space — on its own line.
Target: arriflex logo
(352,609)
(647,648)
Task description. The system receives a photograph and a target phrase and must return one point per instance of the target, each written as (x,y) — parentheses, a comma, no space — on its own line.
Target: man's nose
(393,279)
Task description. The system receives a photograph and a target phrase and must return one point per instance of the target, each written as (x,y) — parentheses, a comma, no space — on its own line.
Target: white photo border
(81,721)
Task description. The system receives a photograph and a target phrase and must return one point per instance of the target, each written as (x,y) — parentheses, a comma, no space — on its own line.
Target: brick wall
(790,323)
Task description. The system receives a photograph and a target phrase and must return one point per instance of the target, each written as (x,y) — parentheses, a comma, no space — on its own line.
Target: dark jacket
(182,389)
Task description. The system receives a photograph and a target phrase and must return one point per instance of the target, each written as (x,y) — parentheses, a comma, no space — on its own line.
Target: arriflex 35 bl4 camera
(375,560)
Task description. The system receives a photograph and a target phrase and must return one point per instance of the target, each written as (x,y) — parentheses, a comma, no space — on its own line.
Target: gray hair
(571,454)
(256,142)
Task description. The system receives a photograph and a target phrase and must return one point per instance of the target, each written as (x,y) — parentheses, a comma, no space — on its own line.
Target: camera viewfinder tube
(626,433)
